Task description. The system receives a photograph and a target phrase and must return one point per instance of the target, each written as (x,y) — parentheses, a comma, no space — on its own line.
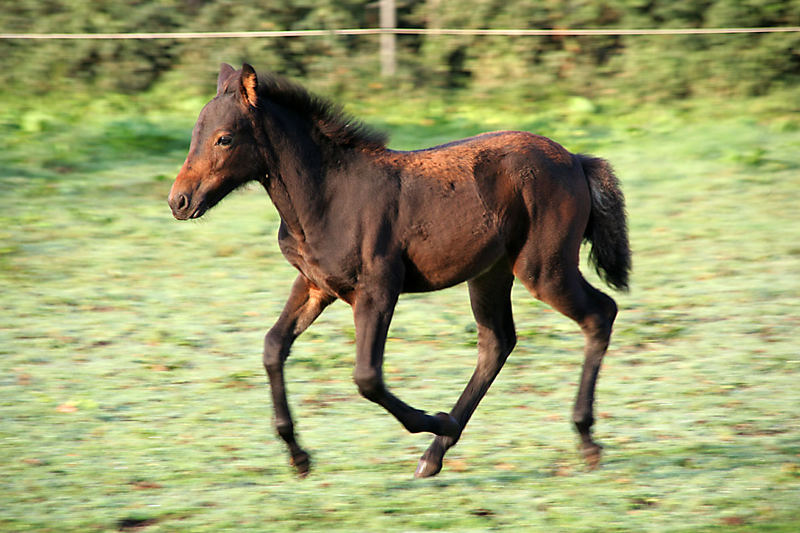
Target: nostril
(183,202)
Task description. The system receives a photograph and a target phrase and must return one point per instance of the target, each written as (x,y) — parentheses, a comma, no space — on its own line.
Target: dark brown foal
(364,224)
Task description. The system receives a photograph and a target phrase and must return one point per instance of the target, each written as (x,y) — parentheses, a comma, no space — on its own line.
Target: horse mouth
(200,211)
(185,214)
(185,207)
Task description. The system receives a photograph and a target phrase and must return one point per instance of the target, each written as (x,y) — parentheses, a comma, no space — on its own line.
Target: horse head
(223,153)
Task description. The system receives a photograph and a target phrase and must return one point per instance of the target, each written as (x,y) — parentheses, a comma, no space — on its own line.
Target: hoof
(301,463)
(427,468)
(448,426)
(591,454)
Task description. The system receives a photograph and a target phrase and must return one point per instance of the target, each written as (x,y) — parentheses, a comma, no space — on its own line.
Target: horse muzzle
(183,207)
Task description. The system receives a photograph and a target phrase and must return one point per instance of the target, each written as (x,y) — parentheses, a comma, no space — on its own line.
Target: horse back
(466,204)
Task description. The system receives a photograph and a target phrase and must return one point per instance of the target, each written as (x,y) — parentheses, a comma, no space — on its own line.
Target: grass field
(132,395)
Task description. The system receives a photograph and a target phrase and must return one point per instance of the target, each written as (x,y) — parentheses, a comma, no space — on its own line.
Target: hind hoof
(592,454)
(427,468)
(301,463)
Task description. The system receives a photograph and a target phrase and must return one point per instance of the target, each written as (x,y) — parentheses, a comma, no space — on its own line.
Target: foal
(363,224)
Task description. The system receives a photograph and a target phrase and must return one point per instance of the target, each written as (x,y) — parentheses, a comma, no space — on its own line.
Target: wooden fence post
(388,20)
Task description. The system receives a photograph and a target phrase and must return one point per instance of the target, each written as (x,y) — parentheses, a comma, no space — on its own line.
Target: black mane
(329,117)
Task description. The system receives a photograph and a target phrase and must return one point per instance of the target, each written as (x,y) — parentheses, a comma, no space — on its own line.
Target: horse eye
(225,140)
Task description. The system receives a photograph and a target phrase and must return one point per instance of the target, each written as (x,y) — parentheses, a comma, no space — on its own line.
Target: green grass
(131,389)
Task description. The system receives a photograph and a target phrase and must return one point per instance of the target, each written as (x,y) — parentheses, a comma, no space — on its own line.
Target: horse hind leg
(565,289)
(490,298)
(596,327)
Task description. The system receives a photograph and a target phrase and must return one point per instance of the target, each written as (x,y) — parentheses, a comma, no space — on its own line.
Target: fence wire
(395,31)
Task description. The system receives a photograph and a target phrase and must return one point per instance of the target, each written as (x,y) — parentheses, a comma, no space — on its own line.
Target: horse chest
(321,269)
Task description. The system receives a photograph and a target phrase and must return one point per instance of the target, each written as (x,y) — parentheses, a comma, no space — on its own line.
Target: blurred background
(639,67)
(131,390)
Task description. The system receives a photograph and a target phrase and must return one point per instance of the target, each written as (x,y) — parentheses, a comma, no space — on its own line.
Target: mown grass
(131,388)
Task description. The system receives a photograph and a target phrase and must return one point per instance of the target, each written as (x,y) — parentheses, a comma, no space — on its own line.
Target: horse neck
(299,156)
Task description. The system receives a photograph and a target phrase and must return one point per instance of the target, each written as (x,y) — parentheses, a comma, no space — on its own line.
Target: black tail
(608,228)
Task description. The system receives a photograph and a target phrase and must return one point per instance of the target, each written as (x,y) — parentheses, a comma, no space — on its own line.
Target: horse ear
(225,71)
(249,87)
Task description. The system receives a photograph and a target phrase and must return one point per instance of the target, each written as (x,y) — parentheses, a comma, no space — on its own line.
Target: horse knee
(369,383)
(498,344)
(285,429)
(583,421)
(273,355)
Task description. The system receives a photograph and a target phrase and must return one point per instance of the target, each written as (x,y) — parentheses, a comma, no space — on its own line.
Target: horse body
(364,224)
(445,214)
(468,204)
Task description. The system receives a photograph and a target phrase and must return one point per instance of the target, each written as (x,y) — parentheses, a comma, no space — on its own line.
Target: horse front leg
(490,297)
(304,305)
(372,314)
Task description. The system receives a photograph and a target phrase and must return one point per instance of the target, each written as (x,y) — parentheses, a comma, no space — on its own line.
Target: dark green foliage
(658,67)
(643,68)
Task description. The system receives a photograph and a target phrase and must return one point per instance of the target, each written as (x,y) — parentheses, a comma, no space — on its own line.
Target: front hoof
(592,453)
(427,468)
(448,426)
(301,463)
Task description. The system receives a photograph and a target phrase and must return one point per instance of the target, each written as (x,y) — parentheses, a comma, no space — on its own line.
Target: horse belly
(454,250)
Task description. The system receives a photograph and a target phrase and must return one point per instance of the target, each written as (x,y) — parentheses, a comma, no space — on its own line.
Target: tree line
(637,67)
